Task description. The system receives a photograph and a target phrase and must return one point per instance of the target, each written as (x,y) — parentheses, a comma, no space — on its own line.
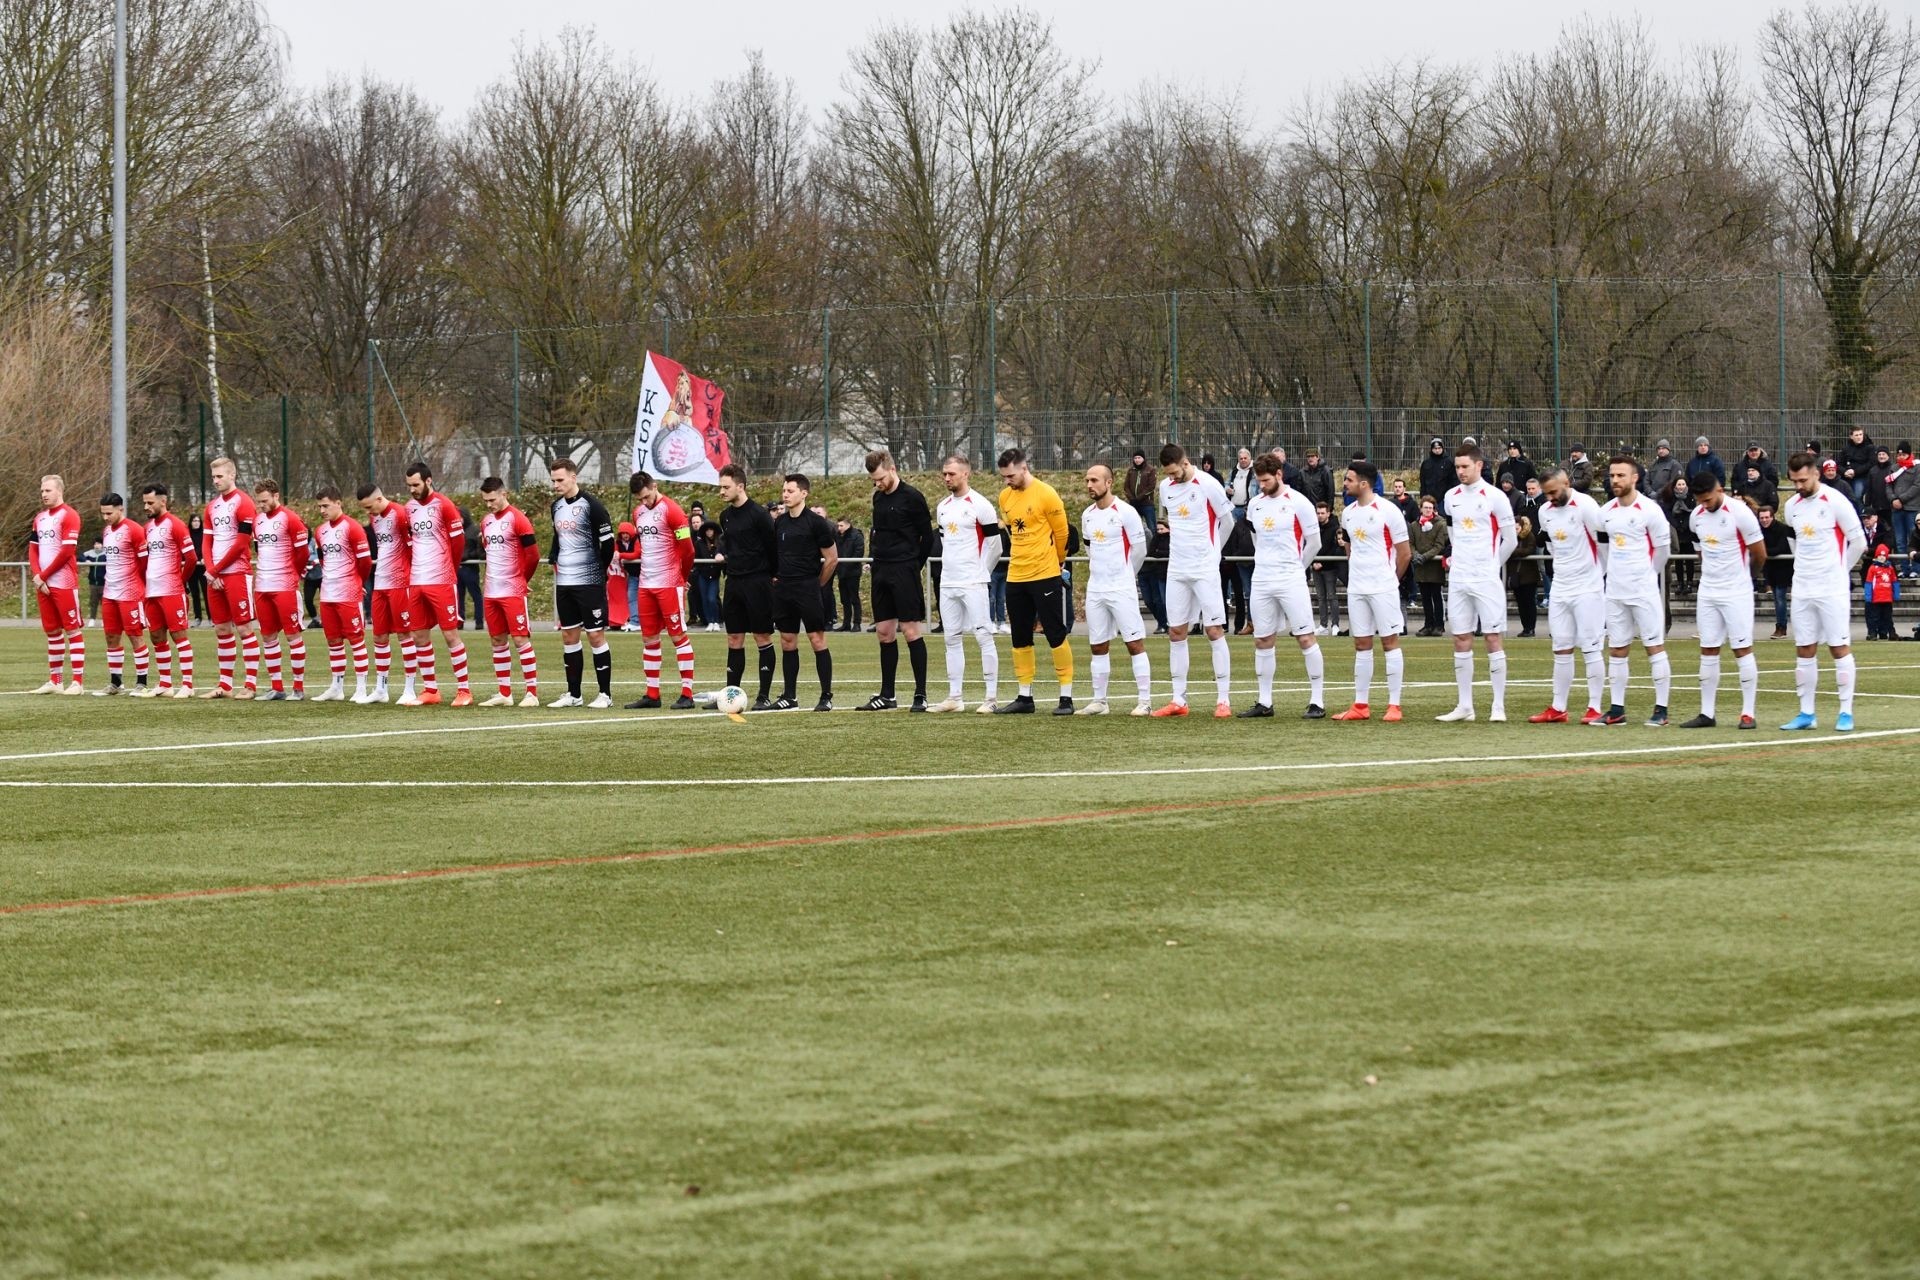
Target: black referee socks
(917,656)
(766,669)
(889,666)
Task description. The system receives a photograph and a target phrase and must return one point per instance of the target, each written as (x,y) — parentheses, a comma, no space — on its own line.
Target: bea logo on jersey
(267,538)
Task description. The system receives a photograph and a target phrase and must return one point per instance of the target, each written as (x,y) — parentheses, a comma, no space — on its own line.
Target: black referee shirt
(746,540)
(800,541)
(902,527)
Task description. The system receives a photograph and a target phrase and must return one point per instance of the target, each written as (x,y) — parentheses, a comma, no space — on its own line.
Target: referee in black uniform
(901,541)
(805,553)
(746,555)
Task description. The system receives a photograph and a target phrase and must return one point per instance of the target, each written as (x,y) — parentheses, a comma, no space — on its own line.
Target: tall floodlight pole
(119,444)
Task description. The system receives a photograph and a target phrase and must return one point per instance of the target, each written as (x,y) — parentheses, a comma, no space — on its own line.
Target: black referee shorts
(748,606)
(1046,602)
(897,596)
(581,606)
(797,607)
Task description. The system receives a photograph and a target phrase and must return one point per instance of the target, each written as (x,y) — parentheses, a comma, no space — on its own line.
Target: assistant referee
(901,542)
(1036,523)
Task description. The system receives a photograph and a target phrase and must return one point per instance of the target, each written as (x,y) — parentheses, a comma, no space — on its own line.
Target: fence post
(826,392)
(1559,415)
(993,383)
(286,474)
(666,334)
(515,468)
(1173,359)
(371,468)
(204,481)
(1366,358)
(1780,331)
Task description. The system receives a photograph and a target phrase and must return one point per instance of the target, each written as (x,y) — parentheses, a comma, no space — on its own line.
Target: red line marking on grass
(856,837)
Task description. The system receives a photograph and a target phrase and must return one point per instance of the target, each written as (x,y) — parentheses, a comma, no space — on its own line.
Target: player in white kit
(1286,536)
(1732,550)
(1636,545)
(969,529)
(1199,518)
(1378,554)
(1482,533)
(1577,610)
(1115,539)
(1827,542)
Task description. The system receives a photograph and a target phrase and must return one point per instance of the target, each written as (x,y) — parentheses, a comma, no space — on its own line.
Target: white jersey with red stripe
(1282,523)
(1638,537)
(125,545)
(342,544)
(1480,532)
(433,527)
(228,521)
(167,538)
(1115,539)
(1199,517)
(52,530)
(1827,540)
(387,536)
(660,531)
(1726,574)
(1375,533)
(966,559)
(504,537)
(1573,532)
(279,550)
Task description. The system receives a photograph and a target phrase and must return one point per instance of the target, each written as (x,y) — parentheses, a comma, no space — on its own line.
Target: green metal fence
(1373,366)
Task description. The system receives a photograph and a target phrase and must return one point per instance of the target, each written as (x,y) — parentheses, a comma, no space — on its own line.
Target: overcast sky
(1273,53)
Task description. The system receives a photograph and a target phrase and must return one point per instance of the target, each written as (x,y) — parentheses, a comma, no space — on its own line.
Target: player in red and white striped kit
(226,541)
(666,554)
(345,566)
(53,549)
(437,542)
(388,540)
(512,556)
(281,549)
(121,612)
(170,560)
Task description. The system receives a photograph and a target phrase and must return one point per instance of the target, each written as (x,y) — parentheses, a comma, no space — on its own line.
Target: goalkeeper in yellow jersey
(1036,523)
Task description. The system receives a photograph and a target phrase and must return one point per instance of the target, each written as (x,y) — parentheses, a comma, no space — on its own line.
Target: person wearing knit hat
(1658,480)
(1705,459)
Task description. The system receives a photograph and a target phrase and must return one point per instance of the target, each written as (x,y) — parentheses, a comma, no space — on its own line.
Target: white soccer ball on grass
(732,700)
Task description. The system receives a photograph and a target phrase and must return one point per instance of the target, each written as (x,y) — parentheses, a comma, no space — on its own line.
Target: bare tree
(1842,91)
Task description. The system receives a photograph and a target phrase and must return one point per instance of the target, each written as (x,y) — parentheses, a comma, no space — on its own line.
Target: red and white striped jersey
(666,545)
(436,540)
(55,532)
(391,550)
(227,532)
(1375,532)
(125,545)
(169,551)
(506,538)
(279,550)
(343,560)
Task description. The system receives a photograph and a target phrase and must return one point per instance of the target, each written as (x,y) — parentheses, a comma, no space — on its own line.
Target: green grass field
(958,996)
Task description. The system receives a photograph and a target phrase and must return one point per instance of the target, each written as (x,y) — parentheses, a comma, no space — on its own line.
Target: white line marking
(1037,775)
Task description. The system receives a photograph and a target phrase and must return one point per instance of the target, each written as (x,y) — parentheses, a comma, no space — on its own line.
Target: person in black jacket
(1856,464)
(746,556)
(1516,466)
(1779,567)
(902,540)
(1436,471)
(469,575)
(853,552)
(1236,574)
(1316,480)
(1153,576)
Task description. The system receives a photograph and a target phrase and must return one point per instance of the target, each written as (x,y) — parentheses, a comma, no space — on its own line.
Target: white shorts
(1577,622)
(1822,617)
(1726,622)
(964,609)
(1472,605)
(1281,606)
(1112,618)
(1377,614)
(1629,618)
(1195,602)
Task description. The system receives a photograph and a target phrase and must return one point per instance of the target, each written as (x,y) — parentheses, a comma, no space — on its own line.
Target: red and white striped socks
(503,670)
(140,660)
(360,662)
(529,669)
(297,646)
(457,655)
(116,662)
(650,661)
(226,647)
(77,657)
(183,662)
(250,655)
(56,656)
(272,665)
(683,650)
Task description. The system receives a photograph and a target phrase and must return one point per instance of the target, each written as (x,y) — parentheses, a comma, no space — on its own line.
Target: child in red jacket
(1883,588)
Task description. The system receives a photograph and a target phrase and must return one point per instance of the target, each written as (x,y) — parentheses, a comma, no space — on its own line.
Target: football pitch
(340,991)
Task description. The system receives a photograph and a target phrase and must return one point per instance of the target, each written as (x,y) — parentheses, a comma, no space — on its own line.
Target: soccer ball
(732,700)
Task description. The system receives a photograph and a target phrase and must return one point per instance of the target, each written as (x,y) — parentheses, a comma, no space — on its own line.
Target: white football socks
(1264,661)
(1362,676)
(1596,675)
(1749,682)
(1143,676)
(1463,676)
(1662,677)
(1316,676)
(989,662)
(1806,678)
(1562,679)
(956,664)
(1710,683)
(1396,671)
(1222,670)
(1177,669)
(1843,675)
(1102,665)
(1617,681)
(1497,677)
